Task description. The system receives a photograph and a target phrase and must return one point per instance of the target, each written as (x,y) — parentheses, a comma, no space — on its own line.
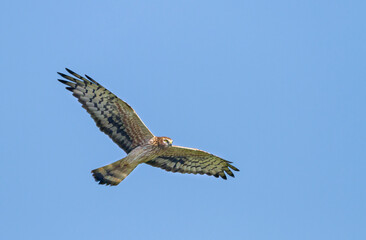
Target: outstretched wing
(190,160)
(113,116)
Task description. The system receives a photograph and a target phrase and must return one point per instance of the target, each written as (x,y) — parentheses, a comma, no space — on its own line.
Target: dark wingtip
(89,78)
(71,72)
(228,171)
(234,168)
(70,88)
(62,81)
(61,74)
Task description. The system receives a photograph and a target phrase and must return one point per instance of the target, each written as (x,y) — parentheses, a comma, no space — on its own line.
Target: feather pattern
(113,116)
(190,160)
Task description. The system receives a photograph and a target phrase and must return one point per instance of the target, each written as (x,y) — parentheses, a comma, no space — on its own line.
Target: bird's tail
(113,173)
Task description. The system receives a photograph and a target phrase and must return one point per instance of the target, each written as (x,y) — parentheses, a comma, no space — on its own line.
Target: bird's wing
(113,116)
(190,160)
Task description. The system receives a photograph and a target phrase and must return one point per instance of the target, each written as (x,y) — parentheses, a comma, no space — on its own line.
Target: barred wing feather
(190,160)
(113,116)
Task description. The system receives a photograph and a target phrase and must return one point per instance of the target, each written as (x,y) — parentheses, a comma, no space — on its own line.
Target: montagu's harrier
(120,122)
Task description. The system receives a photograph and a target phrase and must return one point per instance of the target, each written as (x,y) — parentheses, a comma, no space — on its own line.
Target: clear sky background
(277,87)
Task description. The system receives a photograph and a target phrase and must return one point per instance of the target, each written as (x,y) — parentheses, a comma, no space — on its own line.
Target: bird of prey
(120,122)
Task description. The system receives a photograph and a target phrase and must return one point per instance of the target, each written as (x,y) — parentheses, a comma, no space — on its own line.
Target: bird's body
(121,123)
(115,172)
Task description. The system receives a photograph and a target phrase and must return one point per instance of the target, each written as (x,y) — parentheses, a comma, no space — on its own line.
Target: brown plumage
(120,122)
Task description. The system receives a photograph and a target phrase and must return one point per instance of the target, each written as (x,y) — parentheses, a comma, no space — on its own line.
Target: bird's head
(165,142)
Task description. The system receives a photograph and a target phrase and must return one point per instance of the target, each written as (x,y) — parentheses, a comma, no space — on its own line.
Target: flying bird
(120,122)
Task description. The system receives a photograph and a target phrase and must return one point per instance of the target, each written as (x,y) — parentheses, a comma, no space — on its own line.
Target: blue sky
(277,87)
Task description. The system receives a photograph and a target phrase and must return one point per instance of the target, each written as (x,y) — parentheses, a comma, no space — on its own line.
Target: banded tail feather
(113,173)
